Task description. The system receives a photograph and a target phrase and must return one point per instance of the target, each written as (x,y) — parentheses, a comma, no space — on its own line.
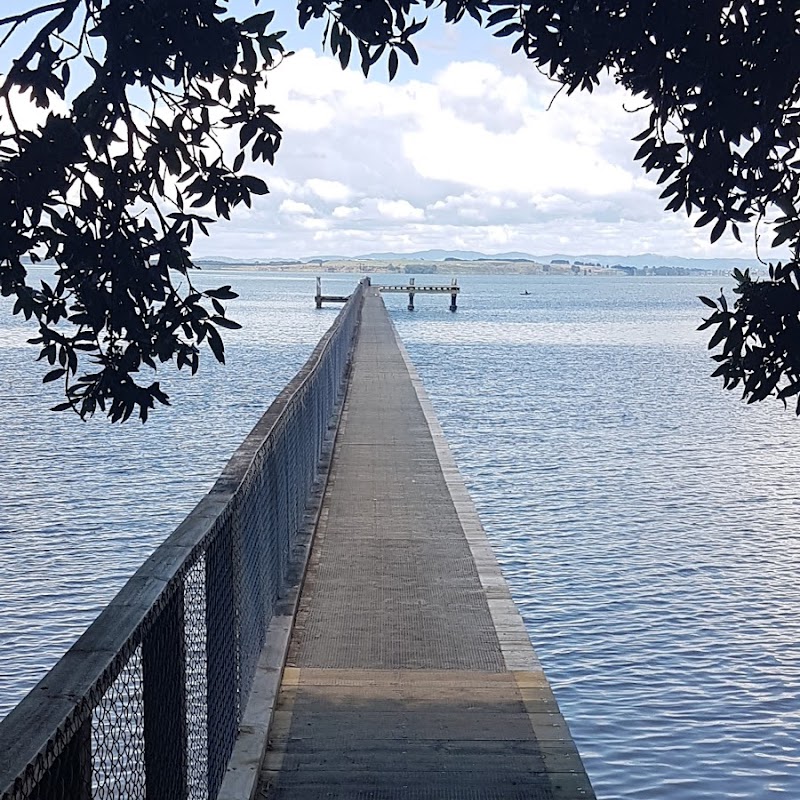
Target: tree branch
(58,23)
(17,19)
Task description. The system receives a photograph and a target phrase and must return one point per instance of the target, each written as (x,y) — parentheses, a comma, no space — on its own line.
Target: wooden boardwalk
(409,674)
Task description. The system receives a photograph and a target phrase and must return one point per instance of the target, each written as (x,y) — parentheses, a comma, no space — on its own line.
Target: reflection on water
(647,521)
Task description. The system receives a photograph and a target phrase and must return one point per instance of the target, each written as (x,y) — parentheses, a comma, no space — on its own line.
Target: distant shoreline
(451,267)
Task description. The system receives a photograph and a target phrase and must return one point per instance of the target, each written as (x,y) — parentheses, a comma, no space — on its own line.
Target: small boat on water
(525,292)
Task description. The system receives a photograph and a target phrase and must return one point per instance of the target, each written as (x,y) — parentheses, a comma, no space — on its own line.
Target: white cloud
(307,116)
(332,191)
(545,153)
(312,223)
(399,209)
(469,156)
(290,206)
(480,92)
(282,185)
(345,212)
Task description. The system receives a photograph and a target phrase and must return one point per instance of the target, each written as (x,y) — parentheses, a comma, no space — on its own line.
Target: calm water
(647,521)
(643,517)
(82,504)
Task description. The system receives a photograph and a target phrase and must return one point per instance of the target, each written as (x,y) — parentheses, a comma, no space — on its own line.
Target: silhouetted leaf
(718,230)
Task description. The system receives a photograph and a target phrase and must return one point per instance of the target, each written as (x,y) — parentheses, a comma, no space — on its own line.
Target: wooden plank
(420,289)
(410,673)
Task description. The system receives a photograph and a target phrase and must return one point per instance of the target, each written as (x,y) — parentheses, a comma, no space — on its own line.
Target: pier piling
(320,298)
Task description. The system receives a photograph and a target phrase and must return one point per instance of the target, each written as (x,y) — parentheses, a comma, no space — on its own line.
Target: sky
(470,150)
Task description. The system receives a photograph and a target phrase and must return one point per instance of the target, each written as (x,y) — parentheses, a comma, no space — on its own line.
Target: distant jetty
(410,287)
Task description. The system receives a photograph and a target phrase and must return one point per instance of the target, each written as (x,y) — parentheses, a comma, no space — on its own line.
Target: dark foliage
(112,189)
(722,80)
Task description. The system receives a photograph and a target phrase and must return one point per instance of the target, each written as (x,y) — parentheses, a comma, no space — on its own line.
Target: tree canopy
(113,185)
(116,204)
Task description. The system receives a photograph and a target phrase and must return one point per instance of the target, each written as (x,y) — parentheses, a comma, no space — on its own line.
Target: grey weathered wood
(164,691)
(71,774)
(410,673)
(418,288)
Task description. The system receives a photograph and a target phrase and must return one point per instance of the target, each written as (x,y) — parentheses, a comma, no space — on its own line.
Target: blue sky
(460,152)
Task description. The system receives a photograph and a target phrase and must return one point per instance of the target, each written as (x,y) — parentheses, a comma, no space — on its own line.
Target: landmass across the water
(459,262)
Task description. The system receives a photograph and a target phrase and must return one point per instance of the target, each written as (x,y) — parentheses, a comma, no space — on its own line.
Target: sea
(647,521)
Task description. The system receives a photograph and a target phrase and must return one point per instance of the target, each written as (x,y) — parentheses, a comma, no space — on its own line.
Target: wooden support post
(71,773)
(411,294)
(453,295)
(222,667)
(320,298)
(164,692)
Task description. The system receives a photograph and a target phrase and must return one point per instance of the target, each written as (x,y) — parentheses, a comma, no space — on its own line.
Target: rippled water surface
(646,520)
(82,504)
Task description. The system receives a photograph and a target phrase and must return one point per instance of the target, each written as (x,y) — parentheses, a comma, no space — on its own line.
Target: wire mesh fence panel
(273,561)
(281,500)
(251,597)
(118,766)
(147,704)
(195,642)
(70,775)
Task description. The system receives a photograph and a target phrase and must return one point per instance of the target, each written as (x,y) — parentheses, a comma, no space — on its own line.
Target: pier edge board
(243,773)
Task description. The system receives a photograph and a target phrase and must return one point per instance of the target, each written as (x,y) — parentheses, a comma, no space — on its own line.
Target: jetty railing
(147,703)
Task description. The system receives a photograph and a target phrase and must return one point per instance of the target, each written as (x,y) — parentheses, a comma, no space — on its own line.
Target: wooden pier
(411,289)
(328,622)
(320,298)
(409,672)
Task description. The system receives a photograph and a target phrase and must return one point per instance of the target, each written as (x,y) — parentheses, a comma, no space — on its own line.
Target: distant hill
(422,255)
(442,255)
(224,260)
(217,260)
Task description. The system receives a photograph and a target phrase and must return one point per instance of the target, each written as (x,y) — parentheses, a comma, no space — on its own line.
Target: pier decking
(409,672)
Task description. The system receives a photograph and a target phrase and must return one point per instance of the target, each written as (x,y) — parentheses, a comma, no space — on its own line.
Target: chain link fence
(147,703)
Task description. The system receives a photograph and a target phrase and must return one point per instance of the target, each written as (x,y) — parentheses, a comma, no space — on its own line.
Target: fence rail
(146,704)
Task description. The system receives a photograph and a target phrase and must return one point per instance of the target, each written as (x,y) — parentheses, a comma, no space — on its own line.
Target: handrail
(147,701)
